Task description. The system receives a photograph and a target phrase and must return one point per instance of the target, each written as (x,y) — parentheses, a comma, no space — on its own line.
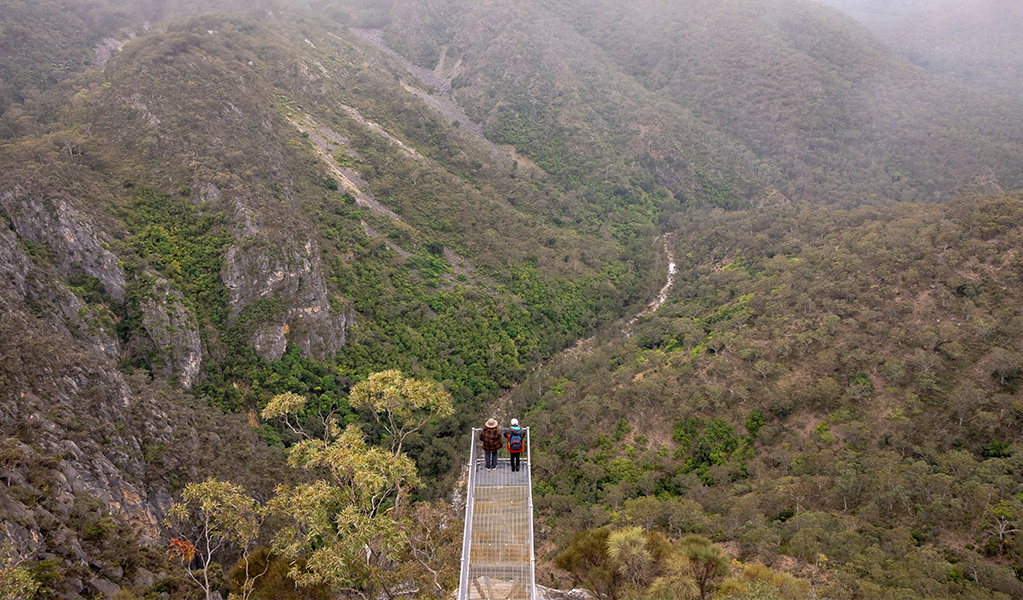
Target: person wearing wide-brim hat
(492,442)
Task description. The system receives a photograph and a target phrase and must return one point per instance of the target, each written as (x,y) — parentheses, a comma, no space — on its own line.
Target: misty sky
(879,13)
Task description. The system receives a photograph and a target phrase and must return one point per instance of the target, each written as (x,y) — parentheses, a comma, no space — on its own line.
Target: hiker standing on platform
(491,438)
(515,444)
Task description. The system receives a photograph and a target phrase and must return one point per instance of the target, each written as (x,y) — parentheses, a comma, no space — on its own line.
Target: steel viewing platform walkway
(497,546)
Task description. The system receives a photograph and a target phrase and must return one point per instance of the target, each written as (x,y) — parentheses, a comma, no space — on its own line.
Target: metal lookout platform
(497,546)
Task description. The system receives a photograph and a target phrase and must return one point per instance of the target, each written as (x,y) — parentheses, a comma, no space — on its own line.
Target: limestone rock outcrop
(281,294)
(173,335)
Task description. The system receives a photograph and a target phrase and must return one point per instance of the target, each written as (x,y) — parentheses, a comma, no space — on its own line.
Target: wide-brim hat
(492,423)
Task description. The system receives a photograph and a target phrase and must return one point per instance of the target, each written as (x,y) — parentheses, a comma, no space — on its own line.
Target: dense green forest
(833,391)
(260,277)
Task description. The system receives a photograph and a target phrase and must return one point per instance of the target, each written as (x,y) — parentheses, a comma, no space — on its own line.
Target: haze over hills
(805,105)
(975,42)
(880,14)
(224,214)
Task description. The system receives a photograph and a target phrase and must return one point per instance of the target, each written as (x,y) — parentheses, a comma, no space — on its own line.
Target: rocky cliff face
(48,246)
(172,334)
(70,235)
(282,292)
(72,457)
(89,458)
(16,264)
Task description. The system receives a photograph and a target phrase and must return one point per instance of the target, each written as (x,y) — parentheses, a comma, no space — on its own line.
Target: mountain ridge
(721,113)
(241,205)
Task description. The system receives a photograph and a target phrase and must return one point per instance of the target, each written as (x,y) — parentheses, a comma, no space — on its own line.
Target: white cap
(515,422)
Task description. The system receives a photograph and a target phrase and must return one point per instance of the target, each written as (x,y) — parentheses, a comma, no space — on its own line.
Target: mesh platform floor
(499,552)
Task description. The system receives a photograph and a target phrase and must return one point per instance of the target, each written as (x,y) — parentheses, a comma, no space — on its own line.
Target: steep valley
(750,275)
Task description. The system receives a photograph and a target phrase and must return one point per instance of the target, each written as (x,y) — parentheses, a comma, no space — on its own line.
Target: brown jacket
(491,438)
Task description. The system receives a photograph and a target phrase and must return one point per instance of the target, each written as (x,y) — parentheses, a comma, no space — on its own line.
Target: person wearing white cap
(515,444)
(491,438)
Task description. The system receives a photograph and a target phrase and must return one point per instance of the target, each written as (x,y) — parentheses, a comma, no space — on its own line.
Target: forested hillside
(835,392)
(795,103)
(264,264)
(975,43)
(406,231)
(249,205)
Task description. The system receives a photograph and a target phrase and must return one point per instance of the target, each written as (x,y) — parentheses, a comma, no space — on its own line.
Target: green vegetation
(876,389)
(224,514)
(349,524)
(651,93)
(834,393)
(16,580)
(631,562)
(174,240)
(344,529)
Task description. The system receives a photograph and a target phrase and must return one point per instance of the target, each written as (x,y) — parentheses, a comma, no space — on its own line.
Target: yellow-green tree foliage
(757,582)
(347,526)
(401,405)
(697,565)
(218,514)
(627,549)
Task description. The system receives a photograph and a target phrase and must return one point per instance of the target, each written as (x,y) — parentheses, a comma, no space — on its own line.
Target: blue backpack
(515,441)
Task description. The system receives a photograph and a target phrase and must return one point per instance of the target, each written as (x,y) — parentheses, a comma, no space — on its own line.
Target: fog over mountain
(879,14)
(750,271)
(975,42)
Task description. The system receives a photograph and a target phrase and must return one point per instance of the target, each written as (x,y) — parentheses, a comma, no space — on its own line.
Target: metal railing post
(529,483)
(463,578)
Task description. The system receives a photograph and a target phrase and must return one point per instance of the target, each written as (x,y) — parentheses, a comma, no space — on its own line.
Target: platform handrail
(463,577)
(469,573)
(532,555)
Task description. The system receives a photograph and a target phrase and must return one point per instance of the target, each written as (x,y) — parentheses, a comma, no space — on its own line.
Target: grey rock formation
(15,263)
(92,326)
(283,293)
(71,236)
(546,593)
(105,587)
(173,334)
(90,458)
(84,470)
